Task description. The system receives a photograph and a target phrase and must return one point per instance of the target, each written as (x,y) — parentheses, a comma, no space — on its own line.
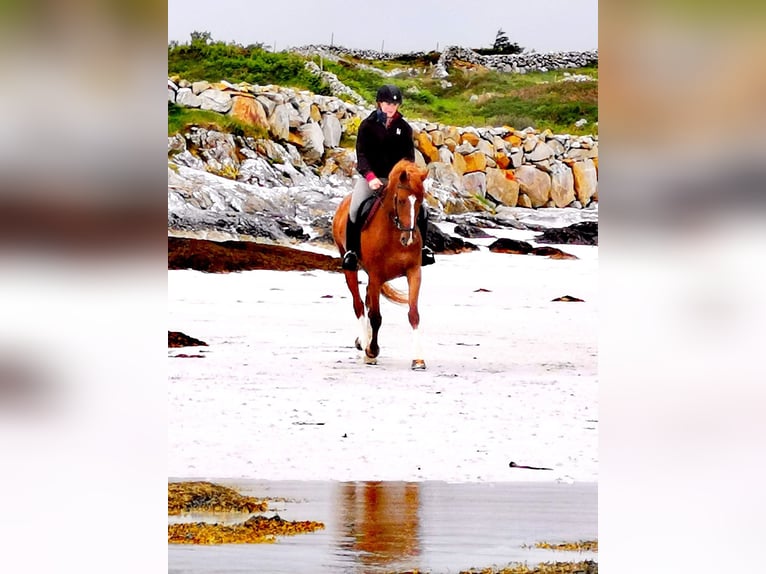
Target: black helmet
(389,93)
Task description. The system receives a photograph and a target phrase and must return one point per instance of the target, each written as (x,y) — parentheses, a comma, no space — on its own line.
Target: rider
(383,139)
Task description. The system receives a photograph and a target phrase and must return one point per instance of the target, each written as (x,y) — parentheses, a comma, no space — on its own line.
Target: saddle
(368,208)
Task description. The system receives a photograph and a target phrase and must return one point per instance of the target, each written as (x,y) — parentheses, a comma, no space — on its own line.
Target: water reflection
(379,523)
(381,527)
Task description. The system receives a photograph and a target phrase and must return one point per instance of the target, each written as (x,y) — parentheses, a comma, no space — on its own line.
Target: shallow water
(376,527)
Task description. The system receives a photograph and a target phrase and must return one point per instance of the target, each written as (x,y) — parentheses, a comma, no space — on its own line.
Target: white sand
(281,392)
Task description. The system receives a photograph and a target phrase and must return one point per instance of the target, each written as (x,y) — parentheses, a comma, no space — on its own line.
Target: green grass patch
(217,61)
(538,99)
(469,97)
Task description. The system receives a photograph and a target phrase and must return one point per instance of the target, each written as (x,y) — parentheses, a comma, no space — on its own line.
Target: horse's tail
(393,295)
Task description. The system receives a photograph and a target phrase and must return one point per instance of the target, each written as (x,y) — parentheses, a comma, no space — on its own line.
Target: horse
(390,248)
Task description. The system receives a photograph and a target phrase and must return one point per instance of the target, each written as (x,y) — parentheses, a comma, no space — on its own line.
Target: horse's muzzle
(407,238)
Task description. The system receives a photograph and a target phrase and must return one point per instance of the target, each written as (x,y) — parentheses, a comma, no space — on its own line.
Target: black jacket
(378,149)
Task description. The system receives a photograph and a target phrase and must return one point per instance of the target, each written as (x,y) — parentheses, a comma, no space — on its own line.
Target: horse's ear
(403,176)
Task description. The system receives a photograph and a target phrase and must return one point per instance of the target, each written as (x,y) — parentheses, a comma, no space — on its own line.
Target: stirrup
(350,261)
(427,257)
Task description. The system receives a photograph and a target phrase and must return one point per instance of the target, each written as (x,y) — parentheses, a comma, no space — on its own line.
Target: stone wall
(510,63)
(509,166)
(515,63)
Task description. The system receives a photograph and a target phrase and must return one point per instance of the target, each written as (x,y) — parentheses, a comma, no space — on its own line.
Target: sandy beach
(280,392)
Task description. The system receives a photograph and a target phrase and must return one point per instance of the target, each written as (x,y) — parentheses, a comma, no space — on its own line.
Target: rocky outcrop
(469,167)
(282,183)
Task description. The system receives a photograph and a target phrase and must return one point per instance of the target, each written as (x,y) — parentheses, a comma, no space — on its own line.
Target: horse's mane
(407,171)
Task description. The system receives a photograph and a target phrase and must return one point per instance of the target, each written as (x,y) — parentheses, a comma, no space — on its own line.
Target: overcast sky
(394,25)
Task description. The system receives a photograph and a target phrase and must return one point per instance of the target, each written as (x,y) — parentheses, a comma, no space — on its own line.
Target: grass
(538,99)
(473,96)
(217,61)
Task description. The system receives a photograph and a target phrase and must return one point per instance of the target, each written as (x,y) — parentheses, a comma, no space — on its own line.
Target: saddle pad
(368,208)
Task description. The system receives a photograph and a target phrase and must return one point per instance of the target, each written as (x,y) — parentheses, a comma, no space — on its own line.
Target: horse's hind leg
(373,312)
(413,283)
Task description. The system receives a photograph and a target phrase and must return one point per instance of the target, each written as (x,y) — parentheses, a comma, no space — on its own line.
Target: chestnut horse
(390,248)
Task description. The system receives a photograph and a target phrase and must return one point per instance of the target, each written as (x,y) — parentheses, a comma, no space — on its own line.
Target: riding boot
(353,240)
(426,255)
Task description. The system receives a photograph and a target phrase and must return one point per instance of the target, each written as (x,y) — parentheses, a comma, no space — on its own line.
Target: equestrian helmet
(389,93)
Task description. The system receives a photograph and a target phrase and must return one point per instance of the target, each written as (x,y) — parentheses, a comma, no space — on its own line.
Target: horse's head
(405,191)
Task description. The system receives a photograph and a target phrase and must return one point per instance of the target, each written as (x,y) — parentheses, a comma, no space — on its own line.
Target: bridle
(397,221)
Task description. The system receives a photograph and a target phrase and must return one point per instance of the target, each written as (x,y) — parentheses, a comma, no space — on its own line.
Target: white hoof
(370,360)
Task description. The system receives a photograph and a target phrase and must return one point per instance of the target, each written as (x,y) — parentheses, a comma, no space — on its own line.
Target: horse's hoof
(418,365)
(358,344)
(370,360)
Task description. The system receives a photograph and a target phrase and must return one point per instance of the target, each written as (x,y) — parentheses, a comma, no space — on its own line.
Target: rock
(332,130)
(199,87)
(313,142)
(458,163)
(585,181)
(250,111)
(185,97)
(470,137)
(228,256)
(176,143)
(502,187)
(552,253)
(535,184)
(279,122)
(583,233)
(524,200)
(445,155)
(426,147)
(475,183)
(440,242)
(476,161)
(177,339)
(471,231)
(562,184)
(215,100)
(541,152)
(506,245)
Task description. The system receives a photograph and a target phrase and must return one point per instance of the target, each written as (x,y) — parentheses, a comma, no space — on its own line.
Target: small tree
(503,45)
(199,39)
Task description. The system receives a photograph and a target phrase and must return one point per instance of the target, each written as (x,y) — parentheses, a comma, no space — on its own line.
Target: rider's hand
(375,184)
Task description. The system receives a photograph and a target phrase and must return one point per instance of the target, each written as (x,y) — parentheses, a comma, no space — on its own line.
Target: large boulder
(250,111)
(502,186)
(313,142)
(562,184)
(535,184)
(585,180)
(215,100)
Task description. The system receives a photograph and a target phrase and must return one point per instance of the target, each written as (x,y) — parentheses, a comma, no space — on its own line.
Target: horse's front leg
(413,284)
(373,313)
(352,281)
